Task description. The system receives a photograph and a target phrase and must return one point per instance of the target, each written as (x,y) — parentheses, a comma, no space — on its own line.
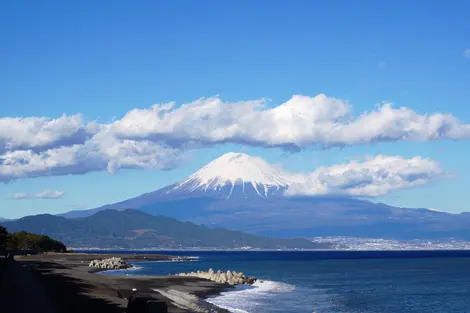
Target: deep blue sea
(327,282)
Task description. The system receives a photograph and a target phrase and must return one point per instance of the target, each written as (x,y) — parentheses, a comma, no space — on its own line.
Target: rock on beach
(228,277)
(111,263)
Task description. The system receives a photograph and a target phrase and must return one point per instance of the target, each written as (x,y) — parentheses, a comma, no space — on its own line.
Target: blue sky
(103,59)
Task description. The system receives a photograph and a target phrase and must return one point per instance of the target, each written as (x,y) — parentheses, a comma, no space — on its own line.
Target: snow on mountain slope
(234,171)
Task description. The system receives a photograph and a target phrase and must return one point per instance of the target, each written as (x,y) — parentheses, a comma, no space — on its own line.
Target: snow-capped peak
(233,169)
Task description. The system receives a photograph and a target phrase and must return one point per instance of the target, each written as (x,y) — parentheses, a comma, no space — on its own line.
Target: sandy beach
(65,283)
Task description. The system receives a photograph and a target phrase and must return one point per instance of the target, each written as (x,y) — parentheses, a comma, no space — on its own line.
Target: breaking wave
(250,299)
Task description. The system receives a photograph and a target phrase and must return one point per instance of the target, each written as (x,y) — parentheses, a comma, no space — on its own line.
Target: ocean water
(332,282)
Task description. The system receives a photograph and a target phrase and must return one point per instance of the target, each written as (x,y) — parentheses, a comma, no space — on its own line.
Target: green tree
(3,238)
(28,241)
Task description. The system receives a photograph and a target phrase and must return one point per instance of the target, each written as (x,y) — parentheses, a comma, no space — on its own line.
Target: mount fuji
(233,176)
(245,193)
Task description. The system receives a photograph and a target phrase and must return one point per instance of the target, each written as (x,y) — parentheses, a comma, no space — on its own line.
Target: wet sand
(72,286)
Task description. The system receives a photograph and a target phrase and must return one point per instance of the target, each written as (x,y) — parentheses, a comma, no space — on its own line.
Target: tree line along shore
(22,241)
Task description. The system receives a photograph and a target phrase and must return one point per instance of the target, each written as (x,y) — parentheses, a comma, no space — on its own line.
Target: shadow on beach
(46,287)
(66,284)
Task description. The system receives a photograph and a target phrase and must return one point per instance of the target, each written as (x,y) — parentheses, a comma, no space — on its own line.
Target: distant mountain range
(244,193)
(132,229)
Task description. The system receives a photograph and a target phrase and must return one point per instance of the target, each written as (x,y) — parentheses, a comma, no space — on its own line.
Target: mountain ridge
(132,229)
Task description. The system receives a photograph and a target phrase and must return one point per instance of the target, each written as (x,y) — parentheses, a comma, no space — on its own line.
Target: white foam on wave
(191,257)
(268,286)
(135,268)
(248,299)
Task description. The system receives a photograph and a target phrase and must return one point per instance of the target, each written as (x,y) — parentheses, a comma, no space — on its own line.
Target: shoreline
(426,249)
(70,280)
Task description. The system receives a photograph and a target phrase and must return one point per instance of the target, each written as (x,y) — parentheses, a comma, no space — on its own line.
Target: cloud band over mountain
(368,177)
(157,137)
(299,122)
(375,176)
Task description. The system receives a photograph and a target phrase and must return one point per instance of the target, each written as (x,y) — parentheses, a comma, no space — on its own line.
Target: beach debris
(228,277)
(111,263)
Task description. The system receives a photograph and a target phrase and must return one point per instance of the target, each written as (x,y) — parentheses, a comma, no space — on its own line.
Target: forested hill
(132,229)
(25,241)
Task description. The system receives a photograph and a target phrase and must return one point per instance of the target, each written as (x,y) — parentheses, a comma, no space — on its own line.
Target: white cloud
(46,194)
(40,133)
(376,176)
(157,137)
(100,153)
(297,123)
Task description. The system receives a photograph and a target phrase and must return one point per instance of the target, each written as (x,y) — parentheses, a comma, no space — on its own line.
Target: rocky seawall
(228,277)
(111,263)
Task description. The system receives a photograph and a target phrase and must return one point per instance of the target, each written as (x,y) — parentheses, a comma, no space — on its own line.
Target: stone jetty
(111,263)
(228,277)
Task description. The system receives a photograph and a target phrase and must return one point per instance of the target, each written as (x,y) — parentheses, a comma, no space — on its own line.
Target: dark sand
(65,283)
